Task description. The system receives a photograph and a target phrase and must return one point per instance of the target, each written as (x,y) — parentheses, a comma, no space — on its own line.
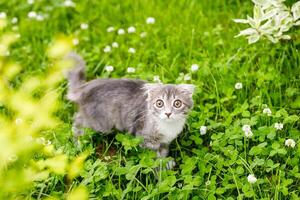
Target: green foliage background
(211,166)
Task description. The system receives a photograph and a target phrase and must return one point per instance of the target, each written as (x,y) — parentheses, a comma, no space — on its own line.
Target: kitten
(157,112)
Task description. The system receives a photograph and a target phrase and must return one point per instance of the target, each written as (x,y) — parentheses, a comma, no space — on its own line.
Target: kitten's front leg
(163,151)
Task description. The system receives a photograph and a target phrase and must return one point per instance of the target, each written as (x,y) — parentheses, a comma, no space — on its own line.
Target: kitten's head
(169,102)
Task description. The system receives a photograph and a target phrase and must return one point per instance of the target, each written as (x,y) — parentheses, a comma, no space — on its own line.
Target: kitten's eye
(159,103)
(177,103)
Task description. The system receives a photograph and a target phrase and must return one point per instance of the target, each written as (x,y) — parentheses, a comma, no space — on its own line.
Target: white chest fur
(170,130)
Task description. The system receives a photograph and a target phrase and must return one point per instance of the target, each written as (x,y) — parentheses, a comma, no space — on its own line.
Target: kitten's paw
(77,131)
(151,146)
(171,164)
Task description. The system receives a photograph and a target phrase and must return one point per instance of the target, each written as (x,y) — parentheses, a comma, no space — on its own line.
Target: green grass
(211,166)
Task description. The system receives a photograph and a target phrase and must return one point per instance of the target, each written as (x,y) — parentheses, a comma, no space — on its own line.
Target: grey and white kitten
(157,112)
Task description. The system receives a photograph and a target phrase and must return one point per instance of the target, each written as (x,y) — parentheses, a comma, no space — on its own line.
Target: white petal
(253,38)
(243,21)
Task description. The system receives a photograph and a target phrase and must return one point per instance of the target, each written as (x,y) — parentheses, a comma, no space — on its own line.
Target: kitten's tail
(76,76)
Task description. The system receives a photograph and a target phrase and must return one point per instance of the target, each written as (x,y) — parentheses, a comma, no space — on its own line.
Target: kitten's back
(110,88)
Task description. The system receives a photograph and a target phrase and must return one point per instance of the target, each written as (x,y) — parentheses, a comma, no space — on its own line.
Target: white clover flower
(84,26)
(121,31)
(107,49)
(110,29)
(14,20)
(267,111)
(115,45)
(30,1)
(130,70)
(143,34)
(131,50)
(150,20)
(278,126)
(247,130)
(290,143)
(109,68)
(251,178)
(19,121)
(3,15)
(131,29)
(238,86)
(69,3)
(156,79)
(32,15)
(187,77)
(40,17)
(203,130)
(194,67)
(75,41)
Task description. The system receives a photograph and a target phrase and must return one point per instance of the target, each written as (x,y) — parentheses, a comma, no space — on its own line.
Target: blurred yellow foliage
(25,119)
(80,193)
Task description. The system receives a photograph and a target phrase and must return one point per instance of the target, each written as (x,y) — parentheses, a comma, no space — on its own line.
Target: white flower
(156,79)
(247,130)
(278,126)
(150,20)
(115,45)
(107,49)
(130,70)
(290,143)
(143,34)
(203,130)
(131,50)
(110,29)
(14,20)
(32,15)
(131,29)
(238,86)
(19,121)
(75,41)
(40,17)
(187,77)
(84,26)
(267,111)
(2,15)
(121,31)
(194,67)
(69,3)
(30,1)
(251,178)
(109,68)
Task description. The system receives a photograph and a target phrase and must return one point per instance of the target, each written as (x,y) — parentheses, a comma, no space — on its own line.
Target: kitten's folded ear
(151,88)
(187,89)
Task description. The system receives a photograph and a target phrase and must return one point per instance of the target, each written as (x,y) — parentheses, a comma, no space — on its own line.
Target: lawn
(241,140)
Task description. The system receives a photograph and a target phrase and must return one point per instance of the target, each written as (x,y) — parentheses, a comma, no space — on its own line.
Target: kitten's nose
(168,114)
